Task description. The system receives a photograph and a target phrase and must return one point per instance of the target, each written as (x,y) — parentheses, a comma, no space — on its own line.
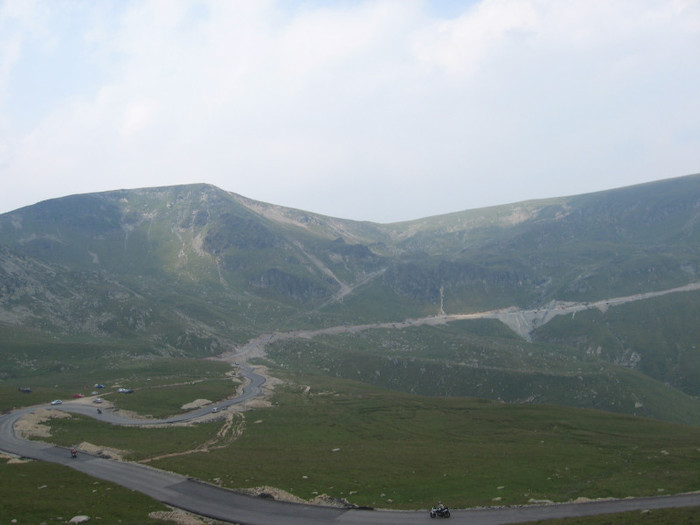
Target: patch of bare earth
(273,493)
(197,403)
(230,431)
(180,517)
(32,425)
(330,501)
(12,459)
(103,452)
(282,495)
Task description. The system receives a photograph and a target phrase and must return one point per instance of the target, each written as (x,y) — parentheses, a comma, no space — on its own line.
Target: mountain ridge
(195,270)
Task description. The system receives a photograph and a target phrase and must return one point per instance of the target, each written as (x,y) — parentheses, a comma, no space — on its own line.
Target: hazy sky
(368,110)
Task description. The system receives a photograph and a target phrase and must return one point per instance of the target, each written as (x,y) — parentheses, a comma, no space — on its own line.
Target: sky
(379,110)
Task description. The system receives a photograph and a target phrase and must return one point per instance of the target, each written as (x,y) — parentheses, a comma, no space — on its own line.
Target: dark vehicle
(99,410)
(440,512)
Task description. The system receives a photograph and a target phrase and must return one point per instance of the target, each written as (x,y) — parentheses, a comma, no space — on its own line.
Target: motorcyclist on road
(74,453)
(439,511)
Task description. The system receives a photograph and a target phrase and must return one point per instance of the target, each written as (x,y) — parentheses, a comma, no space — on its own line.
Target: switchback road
(226,505)
(208,500)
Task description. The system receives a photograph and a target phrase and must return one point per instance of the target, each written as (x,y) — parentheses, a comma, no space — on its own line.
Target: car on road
(215,410)
(56,402)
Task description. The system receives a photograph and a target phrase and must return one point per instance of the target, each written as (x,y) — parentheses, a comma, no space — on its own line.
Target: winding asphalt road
(215,502)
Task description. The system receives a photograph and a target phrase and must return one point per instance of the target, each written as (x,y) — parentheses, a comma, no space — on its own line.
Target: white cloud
(461,46)
(375,110)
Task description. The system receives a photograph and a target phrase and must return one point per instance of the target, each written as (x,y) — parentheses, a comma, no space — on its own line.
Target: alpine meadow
(470,338)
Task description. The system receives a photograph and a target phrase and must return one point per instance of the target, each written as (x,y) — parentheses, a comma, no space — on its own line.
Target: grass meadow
(166,400)
(137,443)
(387,449)
(685,516)
(35,492)
(161,383)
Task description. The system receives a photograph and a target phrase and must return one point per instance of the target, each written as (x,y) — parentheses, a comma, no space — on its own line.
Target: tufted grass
(36,492)
(387,449)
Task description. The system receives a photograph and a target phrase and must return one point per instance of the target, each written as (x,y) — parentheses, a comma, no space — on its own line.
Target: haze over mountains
(194,270)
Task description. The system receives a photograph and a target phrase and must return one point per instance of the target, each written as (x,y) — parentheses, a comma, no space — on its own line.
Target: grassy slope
(137,443)
(190,270)
(58,368)
(389,449)
(482,358)
(685,516)
(397,450)
(658,337)
(35,492)
(663,336)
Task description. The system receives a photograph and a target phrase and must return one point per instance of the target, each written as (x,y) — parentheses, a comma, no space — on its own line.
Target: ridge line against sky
(383,110)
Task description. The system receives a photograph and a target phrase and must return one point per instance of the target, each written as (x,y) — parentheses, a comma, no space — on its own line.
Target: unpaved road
(521,321)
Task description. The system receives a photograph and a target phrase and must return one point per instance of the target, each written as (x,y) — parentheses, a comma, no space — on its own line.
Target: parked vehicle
(56,402)
(77,396)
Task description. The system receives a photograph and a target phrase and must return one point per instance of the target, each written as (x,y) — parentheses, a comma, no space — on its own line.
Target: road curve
(227,505)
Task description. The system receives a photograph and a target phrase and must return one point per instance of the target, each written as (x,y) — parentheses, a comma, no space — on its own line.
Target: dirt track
(521,321)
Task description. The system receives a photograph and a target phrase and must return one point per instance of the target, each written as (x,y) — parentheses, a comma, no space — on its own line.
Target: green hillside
(387,449)
(196,271)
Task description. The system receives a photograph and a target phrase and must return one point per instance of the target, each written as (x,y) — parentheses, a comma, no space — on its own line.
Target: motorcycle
(439,512)
(99,410)
(74,453)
